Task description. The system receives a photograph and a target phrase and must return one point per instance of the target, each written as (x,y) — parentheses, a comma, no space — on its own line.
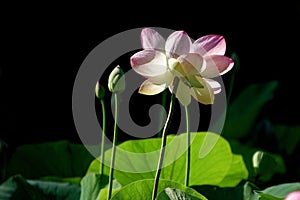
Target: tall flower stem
(113,154)
(188,151)
(103,135)
(163,145)
(162,112)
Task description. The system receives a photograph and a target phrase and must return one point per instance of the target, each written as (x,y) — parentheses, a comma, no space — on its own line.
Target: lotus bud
(99,91)
(116,80)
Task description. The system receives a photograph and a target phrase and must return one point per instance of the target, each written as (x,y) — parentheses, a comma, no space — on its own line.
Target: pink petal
(295,195)
(152,40)
(216,86)
(203,95)
(191,63)
(149,63)
(216,65)
(149,88)
(210,45)
(178,43)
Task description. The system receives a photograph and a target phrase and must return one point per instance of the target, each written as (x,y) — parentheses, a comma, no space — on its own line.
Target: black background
(43,46)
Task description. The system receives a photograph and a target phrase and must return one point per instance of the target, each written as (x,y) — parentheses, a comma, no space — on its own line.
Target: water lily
(184,67)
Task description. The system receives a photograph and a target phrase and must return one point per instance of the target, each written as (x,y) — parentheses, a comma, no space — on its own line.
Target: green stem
(103,135)
(161,114)
(188,153)
(163,145)
(111,172)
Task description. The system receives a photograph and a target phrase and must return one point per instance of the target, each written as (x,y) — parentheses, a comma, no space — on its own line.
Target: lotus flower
(184,67)
(293,196)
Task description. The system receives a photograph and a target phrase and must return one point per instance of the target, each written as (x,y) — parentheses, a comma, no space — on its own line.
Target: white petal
(149,88)
(165,78)
(149,63)
(216,86)
(175,67)
(178,43)
(183,94)
(151,39)
(203,95)
(191,63)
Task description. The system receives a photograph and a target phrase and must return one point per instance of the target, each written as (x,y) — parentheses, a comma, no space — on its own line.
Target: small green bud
(116,80)
(99,90)
(257,158)
(265,165)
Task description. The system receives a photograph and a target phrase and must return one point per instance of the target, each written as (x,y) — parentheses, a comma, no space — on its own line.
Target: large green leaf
(91,184)
(244,110)
(60,159)
(18,188)
(94,187)
(142,190)
(267,197)
(237,172)
(210,169)
(175,194)
(74,180)
(279,191)
(57,190)
(248,191)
